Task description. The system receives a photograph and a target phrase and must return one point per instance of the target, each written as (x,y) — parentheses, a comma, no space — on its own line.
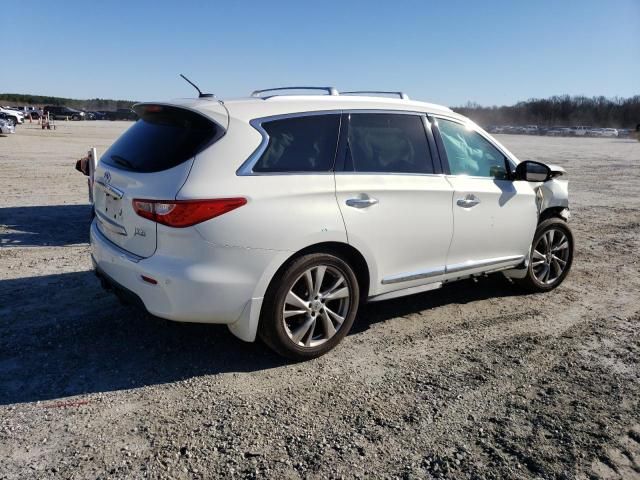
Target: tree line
(561,110)
(20,99)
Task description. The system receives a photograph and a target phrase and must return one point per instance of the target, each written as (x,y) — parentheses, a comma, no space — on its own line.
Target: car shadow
(507,191)
(464,291)
(53,225)
(62,335)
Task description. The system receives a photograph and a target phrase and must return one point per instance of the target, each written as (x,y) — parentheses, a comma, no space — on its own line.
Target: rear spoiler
(209,108)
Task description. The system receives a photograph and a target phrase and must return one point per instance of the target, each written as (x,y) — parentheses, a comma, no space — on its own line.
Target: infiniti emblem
(107,177)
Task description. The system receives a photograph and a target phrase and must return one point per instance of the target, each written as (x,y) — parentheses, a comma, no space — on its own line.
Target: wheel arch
(347,252)
(246,326)
(551,212)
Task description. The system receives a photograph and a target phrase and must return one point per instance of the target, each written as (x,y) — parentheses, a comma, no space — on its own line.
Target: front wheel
(551,256)
(310,307)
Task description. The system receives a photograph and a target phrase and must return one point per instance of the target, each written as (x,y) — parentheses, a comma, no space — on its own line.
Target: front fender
(554,192)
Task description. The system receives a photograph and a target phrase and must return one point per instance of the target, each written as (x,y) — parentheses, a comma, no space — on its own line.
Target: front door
(494,217)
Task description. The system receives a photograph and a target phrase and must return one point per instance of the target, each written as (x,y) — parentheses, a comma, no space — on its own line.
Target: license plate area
(113,208)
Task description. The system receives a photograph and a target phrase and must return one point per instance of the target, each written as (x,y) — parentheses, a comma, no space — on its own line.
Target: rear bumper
(205,284)
(124,294)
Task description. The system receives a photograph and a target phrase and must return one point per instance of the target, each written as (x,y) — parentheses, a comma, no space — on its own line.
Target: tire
(551,256)
(315,324)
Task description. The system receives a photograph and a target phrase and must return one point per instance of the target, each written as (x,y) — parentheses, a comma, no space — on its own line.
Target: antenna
(200,94)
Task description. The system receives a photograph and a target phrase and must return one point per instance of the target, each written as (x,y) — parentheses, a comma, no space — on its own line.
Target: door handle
(361,202)
(468,201)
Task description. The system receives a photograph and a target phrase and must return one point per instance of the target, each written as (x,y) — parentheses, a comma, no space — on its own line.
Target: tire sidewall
(556,224)
(272,325)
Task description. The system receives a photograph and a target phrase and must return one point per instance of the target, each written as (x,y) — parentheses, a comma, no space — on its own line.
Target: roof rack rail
(329,90)
(402,95)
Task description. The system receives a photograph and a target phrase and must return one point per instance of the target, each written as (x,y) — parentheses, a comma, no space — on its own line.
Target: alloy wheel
(550,256)
(316,306)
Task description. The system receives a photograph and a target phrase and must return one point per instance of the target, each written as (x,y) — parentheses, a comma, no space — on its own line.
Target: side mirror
(531,171)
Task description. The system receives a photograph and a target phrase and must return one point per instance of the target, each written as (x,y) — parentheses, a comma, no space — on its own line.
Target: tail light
(185,213)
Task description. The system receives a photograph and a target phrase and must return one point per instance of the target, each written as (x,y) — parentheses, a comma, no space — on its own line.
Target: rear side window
(162,138)
(387,143)
(300,144)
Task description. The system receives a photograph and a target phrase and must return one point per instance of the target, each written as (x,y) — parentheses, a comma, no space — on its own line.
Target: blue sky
(450,52)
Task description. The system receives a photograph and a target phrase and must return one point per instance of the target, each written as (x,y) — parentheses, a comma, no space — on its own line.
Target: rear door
(151,160)
(494,217)
(395,204)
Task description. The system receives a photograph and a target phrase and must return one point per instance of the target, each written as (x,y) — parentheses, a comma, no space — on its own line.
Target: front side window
(387,143)
(469,153)
(300,144)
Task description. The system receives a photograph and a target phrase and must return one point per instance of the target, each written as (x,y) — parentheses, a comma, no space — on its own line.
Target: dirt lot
(475,380)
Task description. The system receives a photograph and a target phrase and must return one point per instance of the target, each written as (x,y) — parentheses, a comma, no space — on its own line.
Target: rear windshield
(162,138)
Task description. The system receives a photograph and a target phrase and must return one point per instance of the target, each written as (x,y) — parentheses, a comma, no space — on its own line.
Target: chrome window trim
(476,129)
(404,174)
(246,169)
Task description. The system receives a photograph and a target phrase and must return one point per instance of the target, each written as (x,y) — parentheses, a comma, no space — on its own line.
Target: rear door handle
(468,201)
(361,202)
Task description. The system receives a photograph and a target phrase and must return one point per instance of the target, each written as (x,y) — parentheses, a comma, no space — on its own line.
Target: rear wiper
(122,161)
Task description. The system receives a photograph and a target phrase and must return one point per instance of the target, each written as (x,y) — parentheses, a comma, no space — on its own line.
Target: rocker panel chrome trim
(473,264)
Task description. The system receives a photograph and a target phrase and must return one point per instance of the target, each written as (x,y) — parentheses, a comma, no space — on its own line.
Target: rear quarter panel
(285,212)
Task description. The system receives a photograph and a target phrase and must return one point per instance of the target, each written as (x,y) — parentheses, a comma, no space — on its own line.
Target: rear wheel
(310,308)
(551,256)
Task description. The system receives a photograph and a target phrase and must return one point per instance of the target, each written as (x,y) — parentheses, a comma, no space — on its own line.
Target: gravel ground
(475,380)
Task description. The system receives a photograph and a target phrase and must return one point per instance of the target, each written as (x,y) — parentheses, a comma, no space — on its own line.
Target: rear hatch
(151,160)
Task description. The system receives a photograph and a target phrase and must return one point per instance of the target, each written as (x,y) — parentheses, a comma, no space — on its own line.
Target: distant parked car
(63,113)
(604,132)
(7,118)
(7,127)
(16,116)
(581,131)
(624,132)
(559,131)
(29,110)
(97,115)
(530,129)
(496,129)
(121,114)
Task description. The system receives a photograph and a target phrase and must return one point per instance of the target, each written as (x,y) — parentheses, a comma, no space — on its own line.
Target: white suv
(279,214)
(14,115)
